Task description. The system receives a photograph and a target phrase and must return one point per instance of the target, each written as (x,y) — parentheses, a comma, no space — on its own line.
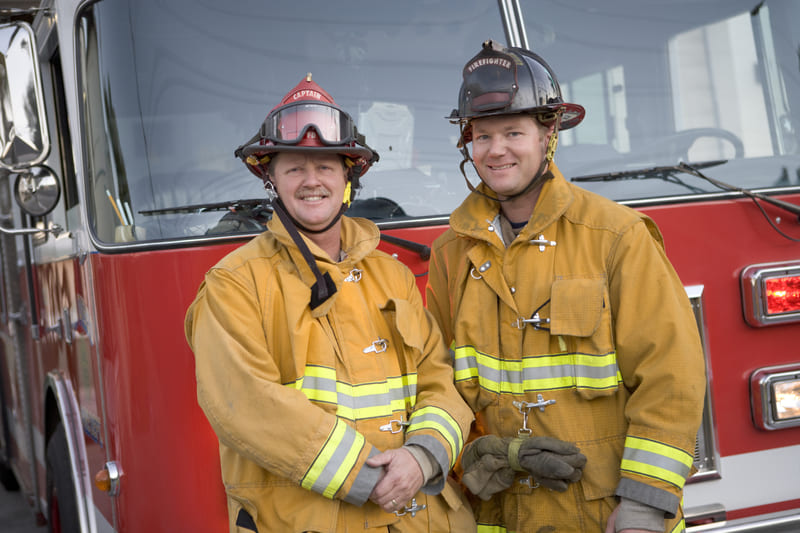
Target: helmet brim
(261,150)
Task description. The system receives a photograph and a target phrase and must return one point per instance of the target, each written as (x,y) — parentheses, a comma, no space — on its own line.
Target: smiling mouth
(501,167)
(312,195)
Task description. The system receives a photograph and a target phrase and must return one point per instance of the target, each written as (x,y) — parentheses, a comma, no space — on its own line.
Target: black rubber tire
(62,507)
(8,479)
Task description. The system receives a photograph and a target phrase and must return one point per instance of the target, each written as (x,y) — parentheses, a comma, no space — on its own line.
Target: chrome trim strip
(417,222)
(786,521)
(69,413)
(707,455)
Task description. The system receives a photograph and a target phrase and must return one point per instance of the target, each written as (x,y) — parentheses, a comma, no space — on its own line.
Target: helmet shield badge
(490,82)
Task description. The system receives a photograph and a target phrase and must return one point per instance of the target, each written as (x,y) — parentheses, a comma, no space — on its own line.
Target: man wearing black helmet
(324,378)
(572,337)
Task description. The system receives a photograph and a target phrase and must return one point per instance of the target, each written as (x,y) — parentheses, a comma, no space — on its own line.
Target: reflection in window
(715,83)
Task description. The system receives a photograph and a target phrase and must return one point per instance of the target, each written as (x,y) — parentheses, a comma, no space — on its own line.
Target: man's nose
(312,174)
(497,145)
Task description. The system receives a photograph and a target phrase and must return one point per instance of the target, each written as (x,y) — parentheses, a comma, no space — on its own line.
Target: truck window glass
(693,82)
(172,88)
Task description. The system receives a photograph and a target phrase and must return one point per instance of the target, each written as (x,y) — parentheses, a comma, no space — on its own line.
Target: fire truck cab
(119,189)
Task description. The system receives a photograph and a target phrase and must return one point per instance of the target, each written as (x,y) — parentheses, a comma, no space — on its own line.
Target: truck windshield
(172,88)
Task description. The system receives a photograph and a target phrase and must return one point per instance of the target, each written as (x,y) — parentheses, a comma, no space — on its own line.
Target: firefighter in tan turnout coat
(325,379)
(572,336)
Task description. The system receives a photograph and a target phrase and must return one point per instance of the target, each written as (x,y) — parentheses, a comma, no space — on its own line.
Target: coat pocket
(601,473)
(580,314)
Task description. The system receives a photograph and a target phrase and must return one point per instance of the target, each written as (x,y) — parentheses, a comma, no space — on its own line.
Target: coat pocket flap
(407,322)
(576,306)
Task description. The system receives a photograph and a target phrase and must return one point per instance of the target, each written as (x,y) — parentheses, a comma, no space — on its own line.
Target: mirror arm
(55,229)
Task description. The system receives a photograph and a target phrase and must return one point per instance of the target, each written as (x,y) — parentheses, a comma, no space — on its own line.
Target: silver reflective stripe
(533,373)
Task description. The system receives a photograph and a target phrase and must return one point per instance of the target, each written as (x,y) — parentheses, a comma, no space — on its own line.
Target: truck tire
(8,479)
(62,507)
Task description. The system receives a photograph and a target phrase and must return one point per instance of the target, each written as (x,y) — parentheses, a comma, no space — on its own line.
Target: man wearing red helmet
(572,337)
(322,374)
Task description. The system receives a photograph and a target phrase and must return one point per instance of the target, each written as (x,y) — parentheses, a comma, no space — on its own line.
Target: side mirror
(37,190)
(24,140)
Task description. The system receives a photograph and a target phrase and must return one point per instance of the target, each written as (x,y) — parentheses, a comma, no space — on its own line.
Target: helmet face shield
(308,121)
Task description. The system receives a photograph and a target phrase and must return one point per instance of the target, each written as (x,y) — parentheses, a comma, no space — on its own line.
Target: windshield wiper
(235,205)
(666,173)
(251,204)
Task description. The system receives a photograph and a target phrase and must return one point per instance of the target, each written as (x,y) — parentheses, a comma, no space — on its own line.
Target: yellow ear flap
(253,160)
(347,191)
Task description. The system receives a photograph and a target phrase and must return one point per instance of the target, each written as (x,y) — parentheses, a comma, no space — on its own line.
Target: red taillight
(771,293)
(783,294)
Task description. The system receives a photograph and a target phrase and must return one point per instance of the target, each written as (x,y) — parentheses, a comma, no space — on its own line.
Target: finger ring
(394,502)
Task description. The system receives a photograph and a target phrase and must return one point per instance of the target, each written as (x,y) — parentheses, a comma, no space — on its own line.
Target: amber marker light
(107,479)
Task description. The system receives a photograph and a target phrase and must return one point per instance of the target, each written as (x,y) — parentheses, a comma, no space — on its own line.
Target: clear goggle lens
(291,123)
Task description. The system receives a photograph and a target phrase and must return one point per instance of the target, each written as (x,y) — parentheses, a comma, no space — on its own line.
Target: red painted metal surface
(169,454)
(158,433)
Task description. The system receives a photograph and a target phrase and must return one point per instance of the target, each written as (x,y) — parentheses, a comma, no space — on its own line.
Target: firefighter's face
(508,151)
(311,186)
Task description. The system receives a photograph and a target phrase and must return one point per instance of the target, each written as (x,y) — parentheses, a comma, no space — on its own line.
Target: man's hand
(402,479)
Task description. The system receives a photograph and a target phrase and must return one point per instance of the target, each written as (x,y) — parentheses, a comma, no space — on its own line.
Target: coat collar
(359,237)
(476,213)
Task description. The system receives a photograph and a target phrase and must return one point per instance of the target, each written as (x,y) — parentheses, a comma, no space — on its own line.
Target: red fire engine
(119,189)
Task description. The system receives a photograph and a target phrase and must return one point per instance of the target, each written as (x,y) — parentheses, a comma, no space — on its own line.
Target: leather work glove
(553,463)
(486,468)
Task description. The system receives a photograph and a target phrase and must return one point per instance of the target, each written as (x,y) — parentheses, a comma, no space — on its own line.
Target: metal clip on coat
(525,409)
(378,346)
(535,320)
(390,426)
(542,242)
(355,276)
(413,509)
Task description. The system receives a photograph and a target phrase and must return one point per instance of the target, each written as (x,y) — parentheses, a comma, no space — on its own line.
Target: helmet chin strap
(542,175)
(324,287)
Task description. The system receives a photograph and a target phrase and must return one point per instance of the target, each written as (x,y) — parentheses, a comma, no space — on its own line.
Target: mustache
(312,191)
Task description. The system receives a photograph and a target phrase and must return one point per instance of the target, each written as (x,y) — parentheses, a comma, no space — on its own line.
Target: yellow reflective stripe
(679,527)
(656,460)
(358,402)
(335,460)
(313,384)
(487,528)
(440,421)
(557,371)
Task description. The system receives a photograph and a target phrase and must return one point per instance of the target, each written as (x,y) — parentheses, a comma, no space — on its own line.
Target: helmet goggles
(290,124)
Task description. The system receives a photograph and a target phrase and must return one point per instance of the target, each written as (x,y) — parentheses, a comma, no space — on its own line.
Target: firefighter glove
(486,468)
(553,463)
